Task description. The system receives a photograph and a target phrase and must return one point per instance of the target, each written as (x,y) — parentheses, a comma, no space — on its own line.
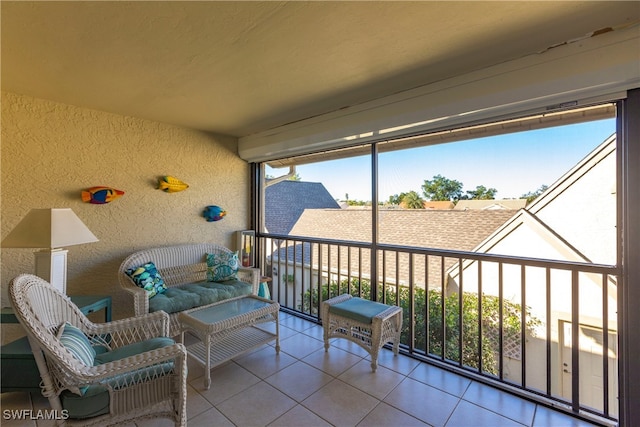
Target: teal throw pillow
(147,277)
(222,266)
(77,343)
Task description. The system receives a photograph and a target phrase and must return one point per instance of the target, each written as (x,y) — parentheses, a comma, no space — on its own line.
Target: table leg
(277,332)
(207,373)
(107,313)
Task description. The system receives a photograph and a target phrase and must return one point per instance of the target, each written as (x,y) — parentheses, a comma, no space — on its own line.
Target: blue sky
(513,164)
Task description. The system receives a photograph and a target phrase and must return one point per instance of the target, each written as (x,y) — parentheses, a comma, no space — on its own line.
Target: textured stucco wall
(50,152)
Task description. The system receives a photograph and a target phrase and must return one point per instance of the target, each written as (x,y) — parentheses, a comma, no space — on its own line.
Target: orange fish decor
(170,184)
(100,195)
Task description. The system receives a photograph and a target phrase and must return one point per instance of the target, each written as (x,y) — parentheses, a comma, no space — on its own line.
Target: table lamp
(51,230)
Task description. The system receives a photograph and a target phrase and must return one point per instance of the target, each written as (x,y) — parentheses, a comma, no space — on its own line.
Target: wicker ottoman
(369,324)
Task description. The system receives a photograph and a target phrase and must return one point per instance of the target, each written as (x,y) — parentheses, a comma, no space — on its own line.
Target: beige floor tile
(440,378)
(384,415)
(333,362)
(196,403)
(349,346)
(265,362)
(259,405)
(316,332)
(469,414)
(155,422)
(210,418)
(295,323)
(340,403)
(401,364)
(426,403)
(284,332)
(300,345)
(378,384)
(299,416)
(226,381)
(195,369)
(299,380)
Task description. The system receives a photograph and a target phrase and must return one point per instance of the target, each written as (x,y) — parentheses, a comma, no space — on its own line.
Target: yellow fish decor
(170,184)
(100,195)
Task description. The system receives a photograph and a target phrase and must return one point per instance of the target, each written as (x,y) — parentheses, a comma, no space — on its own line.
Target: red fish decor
(100,195)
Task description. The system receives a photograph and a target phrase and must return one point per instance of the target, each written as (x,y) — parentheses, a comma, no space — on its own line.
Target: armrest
(250,275)
(126,331)
(139,295)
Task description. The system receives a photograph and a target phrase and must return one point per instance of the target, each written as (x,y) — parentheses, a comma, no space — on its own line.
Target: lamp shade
(49,228)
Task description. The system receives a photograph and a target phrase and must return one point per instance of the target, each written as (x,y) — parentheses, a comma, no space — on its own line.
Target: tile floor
(304,386)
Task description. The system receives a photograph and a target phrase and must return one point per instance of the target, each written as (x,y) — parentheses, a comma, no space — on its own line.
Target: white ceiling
(242,67)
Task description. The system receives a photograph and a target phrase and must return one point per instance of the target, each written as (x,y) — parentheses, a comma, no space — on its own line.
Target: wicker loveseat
(184,271)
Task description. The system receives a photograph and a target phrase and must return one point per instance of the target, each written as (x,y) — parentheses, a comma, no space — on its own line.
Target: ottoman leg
(376,341)
(374,359)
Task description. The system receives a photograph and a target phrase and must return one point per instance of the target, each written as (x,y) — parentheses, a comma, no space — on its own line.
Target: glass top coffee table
(228,328)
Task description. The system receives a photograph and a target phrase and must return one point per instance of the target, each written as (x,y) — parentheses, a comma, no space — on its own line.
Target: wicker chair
(149,383)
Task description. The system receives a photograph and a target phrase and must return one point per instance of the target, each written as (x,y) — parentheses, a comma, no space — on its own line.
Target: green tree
(396,199)
(441,189)
(531,196)
(412,200)
(481,193)
(358,203)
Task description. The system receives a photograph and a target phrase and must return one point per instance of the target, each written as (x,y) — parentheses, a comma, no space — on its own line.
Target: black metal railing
(524,324)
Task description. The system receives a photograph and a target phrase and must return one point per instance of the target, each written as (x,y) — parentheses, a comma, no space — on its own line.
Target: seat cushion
(132,349)
(358,309)
(197,294)
(95,399)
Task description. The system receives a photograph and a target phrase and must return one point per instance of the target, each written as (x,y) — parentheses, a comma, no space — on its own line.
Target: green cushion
(192,295)
(94,402)
(358,309)
(174,300)
(95,398)
(132,349)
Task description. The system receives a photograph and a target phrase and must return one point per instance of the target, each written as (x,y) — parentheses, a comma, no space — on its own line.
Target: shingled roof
(441,229)
(491,204)
(286,200)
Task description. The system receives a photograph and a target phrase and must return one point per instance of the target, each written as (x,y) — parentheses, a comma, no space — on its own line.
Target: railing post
(374,222)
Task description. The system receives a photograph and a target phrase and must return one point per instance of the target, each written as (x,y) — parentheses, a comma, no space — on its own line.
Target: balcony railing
(543,329)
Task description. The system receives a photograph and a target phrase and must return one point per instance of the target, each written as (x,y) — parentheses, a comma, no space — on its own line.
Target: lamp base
(51,265)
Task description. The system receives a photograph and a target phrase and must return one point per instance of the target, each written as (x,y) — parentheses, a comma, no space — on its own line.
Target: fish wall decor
(100,195)
(170,184)
(213,213)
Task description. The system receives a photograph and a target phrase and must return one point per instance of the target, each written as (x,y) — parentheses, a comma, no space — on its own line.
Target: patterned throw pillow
(77,343)
(147,277)
(222,266)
